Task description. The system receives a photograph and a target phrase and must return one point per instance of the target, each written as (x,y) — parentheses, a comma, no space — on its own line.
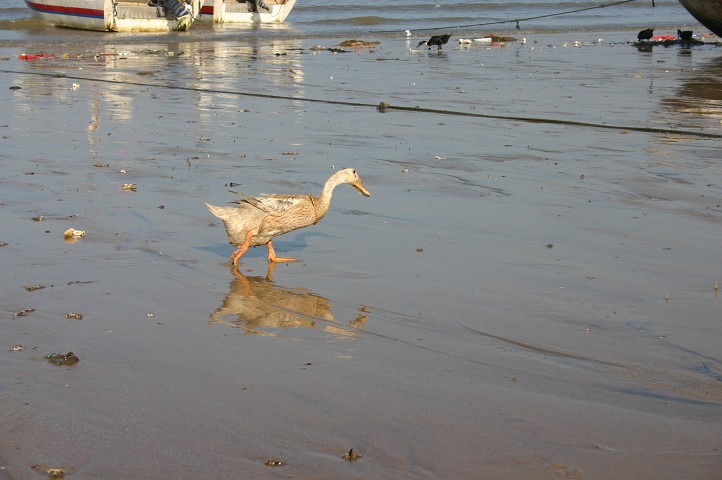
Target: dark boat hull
(708,12)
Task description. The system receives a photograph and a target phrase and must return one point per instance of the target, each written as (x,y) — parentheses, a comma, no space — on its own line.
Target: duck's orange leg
(242,248)
(272,255)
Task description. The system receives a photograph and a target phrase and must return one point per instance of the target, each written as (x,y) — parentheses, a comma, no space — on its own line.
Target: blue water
(391,17)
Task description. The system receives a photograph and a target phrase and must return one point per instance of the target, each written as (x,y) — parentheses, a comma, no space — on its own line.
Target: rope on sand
(384,107)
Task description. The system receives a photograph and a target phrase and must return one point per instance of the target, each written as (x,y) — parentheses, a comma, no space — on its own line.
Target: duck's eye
(354,172)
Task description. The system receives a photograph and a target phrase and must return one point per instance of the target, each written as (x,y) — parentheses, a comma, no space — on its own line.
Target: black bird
(685,35)
(437,40)
(645,34)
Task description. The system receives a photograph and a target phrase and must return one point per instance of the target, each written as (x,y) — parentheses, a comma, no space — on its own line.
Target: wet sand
(515,300)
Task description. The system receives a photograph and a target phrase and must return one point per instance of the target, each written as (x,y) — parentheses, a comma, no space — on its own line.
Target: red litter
(37,56)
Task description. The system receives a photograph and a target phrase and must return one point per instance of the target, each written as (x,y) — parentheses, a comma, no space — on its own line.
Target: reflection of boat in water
(699,96)
(144,16)
(258,306)
(707,12)
(175,62)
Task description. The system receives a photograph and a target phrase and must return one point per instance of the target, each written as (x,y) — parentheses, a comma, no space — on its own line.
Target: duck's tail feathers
(220,212)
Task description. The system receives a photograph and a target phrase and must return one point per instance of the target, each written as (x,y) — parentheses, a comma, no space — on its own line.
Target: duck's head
(349,175)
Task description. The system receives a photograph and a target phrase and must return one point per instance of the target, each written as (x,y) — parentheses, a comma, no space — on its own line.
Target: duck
(258,220)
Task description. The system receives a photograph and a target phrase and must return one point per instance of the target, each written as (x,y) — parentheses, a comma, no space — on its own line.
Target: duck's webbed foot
(242,248)
(237,254)
(272,255)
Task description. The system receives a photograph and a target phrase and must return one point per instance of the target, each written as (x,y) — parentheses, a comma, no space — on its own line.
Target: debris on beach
(38,218)
(358,44)
(73,233)
(351,456)
(481,40)
(55,473)
(36,56)
(74,316)
(501,38)
(383,107)
(33,287)
(16,348)
(14,87)
(604,447)
(321,48)
(564,471)
(129,187)
(3,244)
(272,462)
(24,312)
(59,359)
(50,472)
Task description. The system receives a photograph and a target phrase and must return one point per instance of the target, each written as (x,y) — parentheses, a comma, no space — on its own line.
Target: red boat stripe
(57,9)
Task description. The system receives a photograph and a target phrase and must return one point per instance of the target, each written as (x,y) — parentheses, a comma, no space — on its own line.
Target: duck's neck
(323,202)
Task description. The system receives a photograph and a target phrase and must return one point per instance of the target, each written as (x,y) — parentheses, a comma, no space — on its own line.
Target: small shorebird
(645,34)
(437,40)
(685,36)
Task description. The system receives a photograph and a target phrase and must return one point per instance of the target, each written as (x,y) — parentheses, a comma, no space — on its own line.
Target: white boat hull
(137,16)
(231,11)
(83,14)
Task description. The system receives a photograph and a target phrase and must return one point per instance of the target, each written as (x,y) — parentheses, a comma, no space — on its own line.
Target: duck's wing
(246,201)
(272,204)
(281,203)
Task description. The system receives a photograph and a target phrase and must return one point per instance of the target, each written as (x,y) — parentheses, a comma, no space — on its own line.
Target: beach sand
(517,299)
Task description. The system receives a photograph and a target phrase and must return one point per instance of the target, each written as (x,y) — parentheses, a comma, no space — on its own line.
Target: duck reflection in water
(259,306)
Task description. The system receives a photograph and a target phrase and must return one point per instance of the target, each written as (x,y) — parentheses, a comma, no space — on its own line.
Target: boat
(156,15)
(707,12)
(115,16)
(237,11)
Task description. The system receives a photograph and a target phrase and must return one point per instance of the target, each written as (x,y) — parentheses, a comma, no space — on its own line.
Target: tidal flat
(531,291)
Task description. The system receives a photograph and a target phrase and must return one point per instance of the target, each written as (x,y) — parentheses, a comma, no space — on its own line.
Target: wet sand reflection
(699,96)
(259,306)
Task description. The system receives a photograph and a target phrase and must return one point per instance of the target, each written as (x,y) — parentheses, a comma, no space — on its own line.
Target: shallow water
(519,296)
(318,18)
